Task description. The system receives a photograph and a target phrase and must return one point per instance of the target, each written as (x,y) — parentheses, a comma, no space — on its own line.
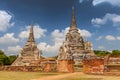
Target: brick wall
(65,66)
(95,66)
(22,68)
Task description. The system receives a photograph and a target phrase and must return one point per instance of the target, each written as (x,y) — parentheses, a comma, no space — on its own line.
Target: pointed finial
(73,20)
(31,34)
(72,7)
(32,22)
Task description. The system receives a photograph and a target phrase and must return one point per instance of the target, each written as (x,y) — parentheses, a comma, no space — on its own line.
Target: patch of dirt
(57,76)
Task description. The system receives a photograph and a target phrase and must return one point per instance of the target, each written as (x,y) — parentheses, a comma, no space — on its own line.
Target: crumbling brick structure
(93,66)
(65,66)
(49,65)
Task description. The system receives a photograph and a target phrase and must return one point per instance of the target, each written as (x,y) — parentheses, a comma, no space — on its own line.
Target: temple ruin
(30,54)
(75,47)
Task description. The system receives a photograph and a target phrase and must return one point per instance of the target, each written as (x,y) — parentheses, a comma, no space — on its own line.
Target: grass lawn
(4,75)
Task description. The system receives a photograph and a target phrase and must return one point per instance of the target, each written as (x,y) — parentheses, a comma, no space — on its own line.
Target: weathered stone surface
(49,65)
(23,68)
(65,66)
(29,55)
(114,60)
(74,47)
(95,66)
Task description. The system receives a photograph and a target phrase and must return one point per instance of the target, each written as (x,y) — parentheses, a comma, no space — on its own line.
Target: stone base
(93,66)
(48,67)
(65,66)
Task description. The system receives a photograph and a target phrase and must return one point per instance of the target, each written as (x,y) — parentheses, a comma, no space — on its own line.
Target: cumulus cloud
(38,32)
(100,47)
(99,38)
(8,39)
(98,2)
(49,49)
(58,37)
(14,49)
(5,20)
(112,2)
(113,18)
(110,37)
(80,1)
(118,38)
(85,33)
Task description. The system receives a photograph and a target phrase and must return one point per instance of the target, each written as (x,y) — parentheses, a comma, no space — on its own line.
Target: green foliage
(116,52)
(1,52)
(5,60)
(101,53)
(104,53)
(12,58)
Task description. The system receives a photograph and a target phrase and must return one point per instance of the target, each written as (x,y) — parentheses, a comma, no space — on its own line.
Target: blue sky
(97,20)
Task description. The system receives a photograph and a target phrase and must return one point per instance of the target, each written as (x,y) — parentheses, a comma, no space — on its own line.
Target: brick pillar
(65,66)
(94,66)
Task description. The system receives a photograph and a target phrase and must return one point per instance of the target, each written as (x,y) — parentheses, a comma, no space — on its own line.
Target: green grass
(4,75)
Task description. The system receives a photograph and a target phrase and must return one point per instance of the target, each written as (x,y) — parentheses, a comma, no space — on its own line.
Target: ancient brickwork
(65,66)
(29,55)
(23,68)
(49,65)
(65,59)
(114,60)
(74,45)
(93,66)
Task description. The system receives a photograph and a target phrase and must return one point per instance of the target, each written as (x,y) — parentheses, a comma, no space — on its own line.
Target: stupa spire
(31,35)
(73,20)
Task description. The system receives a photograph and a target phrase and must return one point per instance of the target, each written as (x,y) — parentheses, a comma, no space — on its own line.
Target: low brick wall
(27,68)
(115,68)
(22,68)
(93,66)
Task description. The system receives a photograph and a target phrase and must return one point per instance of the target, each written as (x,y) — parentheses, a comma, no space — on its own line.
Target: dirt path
(79,75)
(57,76)
(63,76)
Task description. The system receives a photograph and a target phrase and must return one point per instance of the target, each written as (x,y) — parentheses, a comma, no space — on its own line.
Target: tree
(4,60)
(116,52)
(1,52)
(101,53)
(12,58)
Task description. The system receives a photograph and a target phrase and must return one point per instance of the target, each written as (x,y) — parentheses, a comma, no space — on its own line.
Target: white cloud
(14,49)
(58,38)
(112,2)
(112,18)
(99,38)
(118,38)
(38,32)
(80,1)
(5,19)
(8,39)
(100,47)
(49,49)
(85,33)
(110,37)
(97,22)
